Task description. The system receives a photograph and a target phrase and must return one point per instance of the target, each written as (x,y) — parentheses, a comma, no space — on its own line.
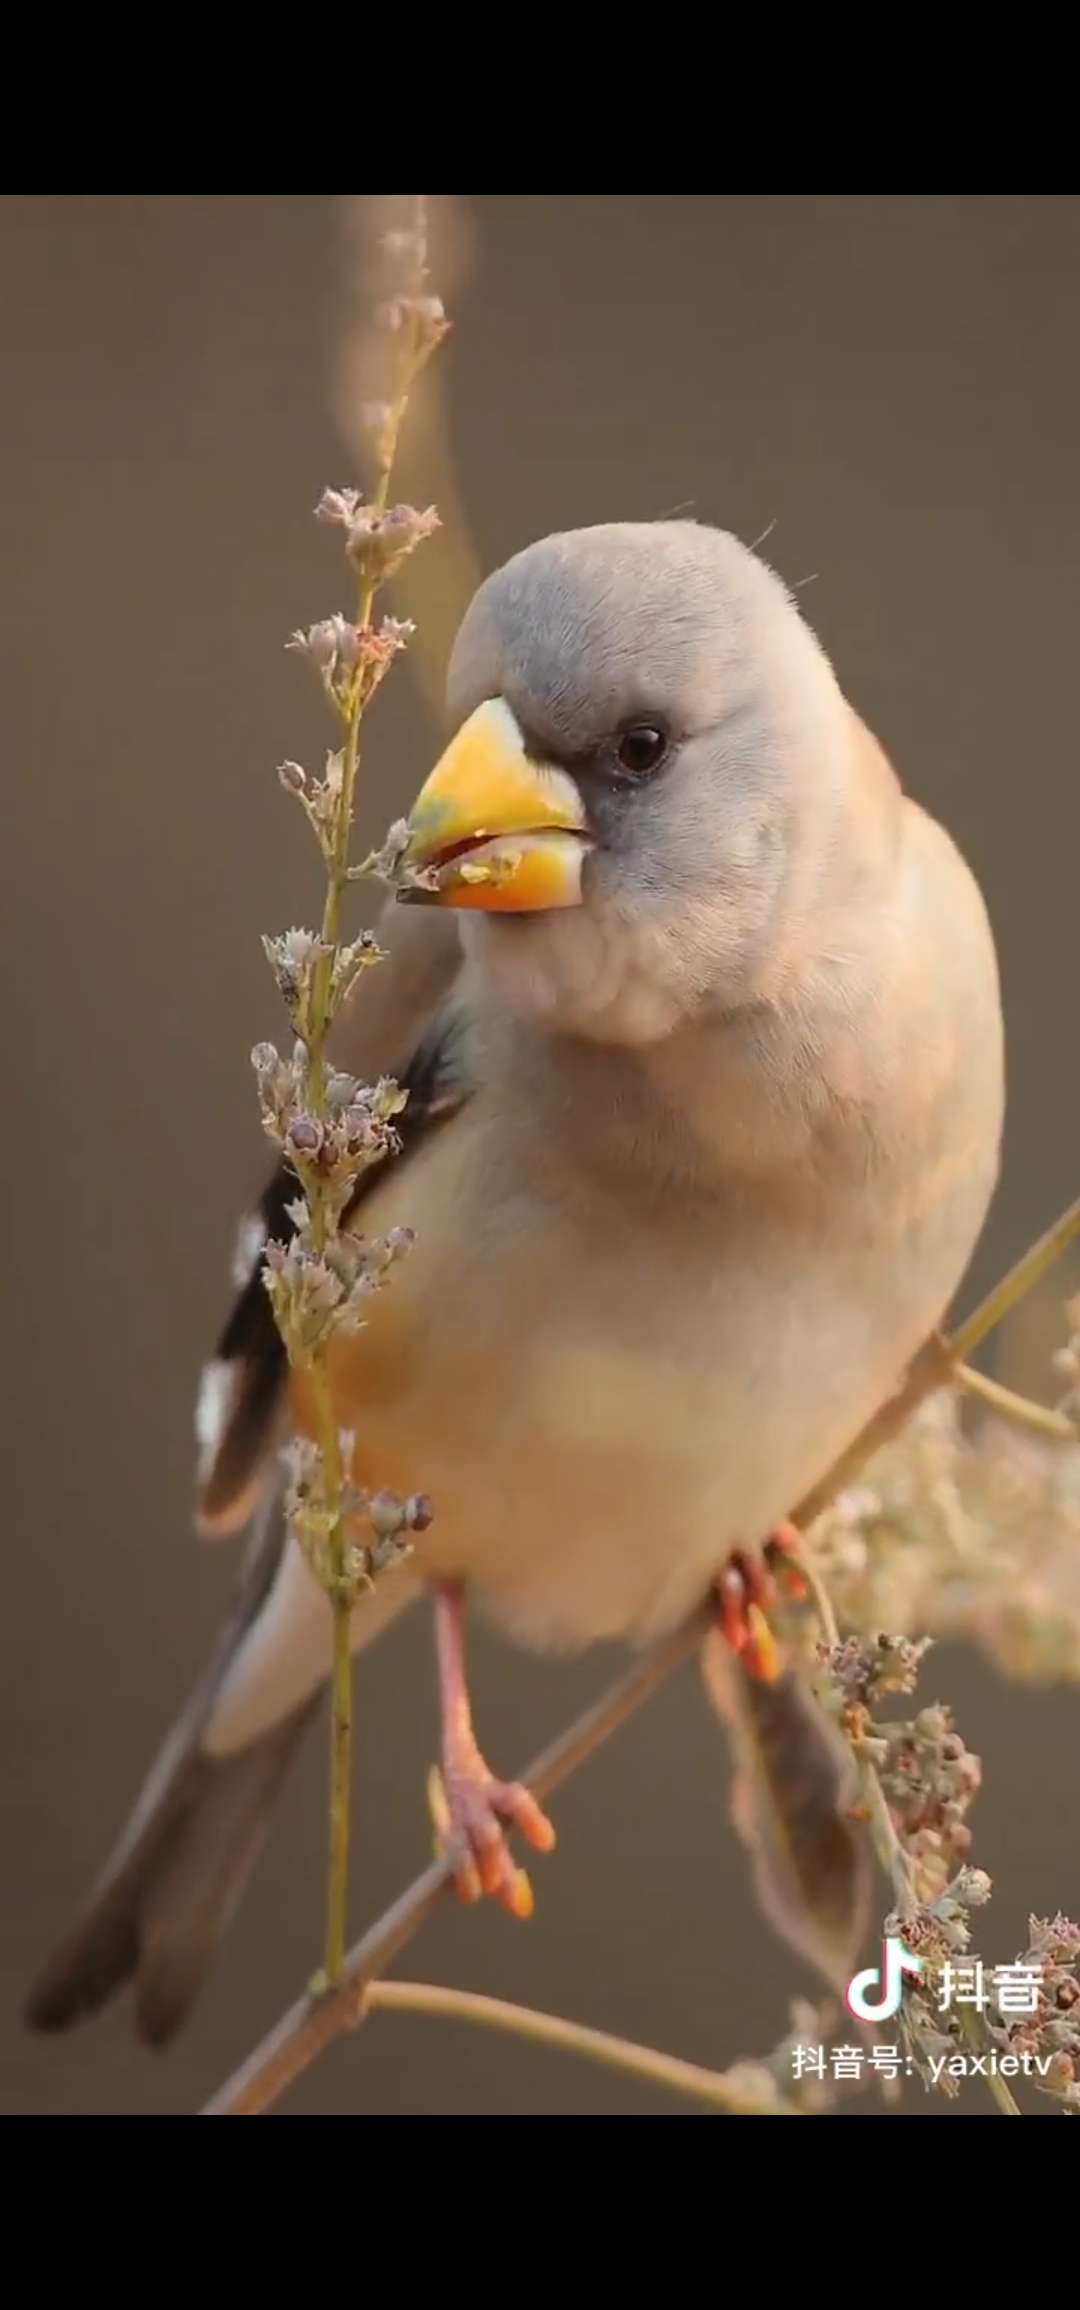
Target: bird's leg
(746,1589)
(471,1810)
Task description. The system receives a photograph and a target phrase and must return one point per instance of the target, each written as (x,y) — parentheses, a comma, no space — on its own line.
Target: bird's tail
(166,1897)
(168,1892)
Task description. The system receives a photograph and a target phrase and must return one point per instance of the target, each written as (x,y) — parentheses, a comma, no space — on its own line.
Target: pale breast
(598,1422)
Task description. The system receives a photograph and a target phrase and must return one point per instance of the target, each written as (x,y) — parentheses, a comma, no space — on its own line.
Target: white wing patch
(250,1245)
(212,1406)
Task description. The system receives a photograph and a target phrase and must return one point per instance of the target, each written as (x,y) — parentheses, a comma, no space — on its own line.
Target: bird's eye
(641,749)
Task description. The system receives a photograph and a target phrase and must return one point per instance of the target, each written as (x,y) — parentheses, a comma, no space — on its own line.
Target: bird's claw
(472,1812)
(746,1590)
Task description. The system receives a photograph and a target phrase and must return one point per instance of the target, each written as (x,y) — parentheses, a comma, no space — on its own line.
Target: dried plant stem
(340,1792)
(894,1862)
(330,1128)
(340,1590)
(340,1599)
(722,2089)
(892,1858)
(1019,1409)
(887,1846)
(1029,1270)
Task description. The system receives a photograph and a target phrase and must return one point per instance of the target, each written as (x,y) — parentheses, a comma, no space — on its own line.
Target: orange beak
(493,830)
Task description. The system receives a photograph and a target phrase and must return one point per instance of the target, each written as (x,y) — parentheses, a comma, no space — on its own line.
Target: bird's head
(648,759)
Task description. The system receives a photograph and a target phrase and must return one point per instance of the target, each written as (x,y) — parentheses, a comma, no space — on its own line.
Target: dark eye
(641,749)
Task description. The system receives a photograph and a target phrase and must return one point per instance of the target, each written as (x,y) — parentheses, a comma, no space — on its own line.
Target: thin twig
(1029,1270)
(340,1590)
(887,1845)
(312,2024)
(1020,1409)
(328,1128)
(729,2090)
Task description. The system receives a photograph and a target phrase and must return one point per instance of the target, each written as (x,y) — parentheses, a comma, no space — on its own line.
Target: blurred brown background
(893,380)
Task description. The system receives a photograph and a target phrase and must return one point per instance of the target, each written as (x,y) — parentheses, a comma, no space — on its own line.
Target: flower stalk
(329,1128)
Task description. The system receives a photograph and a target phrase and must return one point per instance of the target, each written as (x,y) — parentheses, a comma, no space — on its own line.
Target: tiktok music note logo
(896,1960)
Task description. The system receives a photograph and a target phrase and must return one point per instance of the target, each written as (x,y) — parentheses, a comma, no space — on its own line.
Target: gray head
(644,717)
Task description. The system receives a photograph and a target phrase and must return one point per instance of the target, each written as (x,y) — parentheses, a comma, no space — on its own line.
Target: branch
(730,2090)
(314,2022)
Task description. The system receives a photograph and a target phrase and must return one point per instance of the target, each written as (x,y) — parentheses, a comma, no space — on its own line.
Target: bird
(698,1013)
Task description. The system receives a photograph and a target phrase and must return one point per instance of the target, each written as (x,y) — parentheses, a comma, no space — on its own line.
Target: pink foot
(471,1810)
